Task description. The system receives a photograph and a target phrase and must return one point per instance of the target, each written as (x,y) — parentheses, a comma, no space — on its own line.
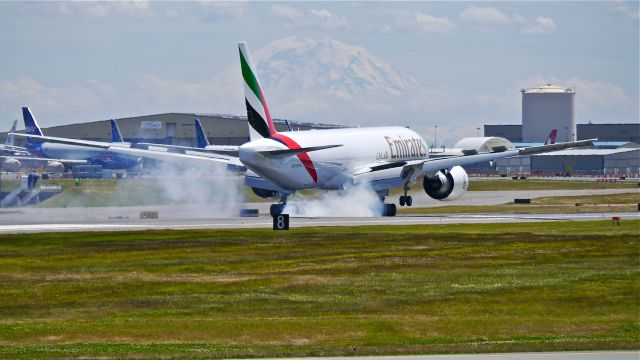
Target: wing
(188,158)
(37,159)
(393,174)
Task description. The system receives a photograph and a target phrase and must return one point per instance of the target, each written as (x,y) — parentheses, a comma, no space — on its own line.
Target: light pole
(478,131)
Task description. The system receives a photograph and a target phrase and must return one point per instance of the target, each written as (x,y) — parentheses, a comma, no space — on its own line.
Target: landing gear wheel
(389,210)
(276,209)
(403,200)
(409,200)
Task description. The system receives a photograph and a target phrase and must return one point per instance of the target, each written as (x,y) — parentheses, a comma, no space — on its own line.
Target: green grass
(321,291)
(608,203)
(535,184)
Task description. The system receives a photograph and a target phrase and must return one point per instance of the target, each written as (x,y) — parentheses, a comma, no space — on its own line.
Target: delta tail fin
(116,135)
(10,138)
(201,138)
(30,123)
(552,137)
(260,123)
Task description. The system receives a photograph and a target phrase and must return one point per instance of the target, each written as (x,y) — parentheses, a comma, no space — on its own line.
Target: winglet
(260,123)
(30,123)
(116,136)
(201,139)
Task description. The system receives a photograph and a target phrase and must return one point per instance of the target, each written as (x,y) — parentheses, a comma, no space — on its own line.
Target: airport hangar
(170,128)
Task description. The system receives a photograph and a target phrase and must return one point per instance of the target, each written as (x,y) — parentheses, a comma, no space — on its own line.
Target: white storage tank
(545,108)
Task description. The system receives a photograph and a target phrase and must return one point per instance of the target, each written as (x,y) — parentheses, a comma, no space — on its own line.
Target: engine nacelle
(264,193)
(11,165)
(446,185)
(55,167)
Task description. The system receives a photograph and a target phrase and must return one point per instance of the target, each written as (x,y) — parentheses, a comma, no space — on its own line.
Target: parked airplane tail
(116,136)
(201,138)
(260,123)
(9,140)
(552,137)
(30,123)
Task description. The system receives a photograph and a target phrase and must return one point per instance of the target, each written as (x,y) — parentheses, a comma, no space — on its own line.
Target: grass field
(321,291)
(624,202)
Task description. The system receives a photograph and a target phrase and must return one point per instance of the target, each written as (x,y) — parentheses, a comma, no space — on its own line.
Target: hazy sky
(75,62)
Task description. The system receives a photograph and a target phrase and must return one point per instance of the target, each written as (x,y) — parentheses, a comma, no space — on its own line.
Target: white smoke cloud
(356,201)
(211,192)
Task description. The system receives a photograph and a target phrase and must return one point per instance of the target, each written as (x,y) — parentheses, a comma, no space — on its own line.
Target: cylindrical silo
(545,108)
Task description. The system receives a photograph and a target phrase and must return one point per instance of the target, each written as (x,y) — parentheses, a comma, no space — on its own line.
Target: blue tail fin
(289,128)
(30,123)
(201,139)
(116,137)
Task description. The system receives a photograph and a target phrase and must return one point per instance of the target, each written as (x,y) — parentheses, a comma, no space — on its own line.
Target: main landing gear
(277,209)
(387,209)
(406,199)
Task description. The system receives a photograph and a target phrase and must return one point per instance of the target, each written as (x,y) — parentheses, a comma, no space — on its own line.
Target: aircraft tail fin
(116,136)
(10,138)
(201,138)
(552,137)
(260,123)
(30,123)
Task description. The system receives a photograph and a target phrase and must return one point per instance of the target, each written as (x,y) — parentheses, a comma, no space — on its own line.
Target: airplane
(552,137)
(336,159)
(9,144)
(92,156)
(277,164)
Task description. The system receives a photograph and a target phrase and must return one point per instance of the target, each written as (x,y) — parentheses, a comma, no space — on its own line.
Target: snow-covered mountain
(302,67)
(327,66)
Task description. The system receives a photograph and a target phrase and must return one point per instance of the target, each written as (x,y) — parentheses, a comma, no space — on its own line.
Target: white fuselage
(333,167)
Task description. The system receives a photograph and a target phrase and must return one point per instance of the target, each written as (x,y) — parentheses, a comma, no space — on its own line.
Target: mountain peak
(327,66)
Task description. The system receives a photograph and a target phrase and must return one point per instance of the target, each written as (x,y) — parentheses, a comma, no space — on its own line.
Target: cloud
(542,25)
(313,18)
(432,24)
(490,19)
(414,20)
(222,10)
(102,9)
(623,7)
(485,15)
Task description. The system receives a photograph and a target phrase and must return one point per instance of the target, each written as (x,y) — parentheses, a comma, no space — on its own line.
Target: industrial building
(629,132)
(545,108)
(170,128)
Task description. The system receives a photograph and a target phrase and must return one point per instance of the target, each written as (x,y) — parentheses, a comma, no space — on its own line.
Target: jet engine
(55,167)
(264,193)
(11,165)
(446,185)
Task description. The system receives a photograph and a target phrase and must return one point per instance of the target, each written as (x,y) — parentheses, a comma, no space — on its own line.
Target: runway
(265,221)
(43,219)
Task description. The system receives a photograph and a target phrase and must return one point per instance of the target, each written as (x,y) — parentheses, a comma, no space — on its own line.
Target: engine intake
(446,185)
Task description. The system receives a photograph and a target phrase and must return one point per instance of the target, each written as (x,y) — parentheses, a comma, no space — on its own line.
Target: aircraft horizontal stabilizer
(288,152)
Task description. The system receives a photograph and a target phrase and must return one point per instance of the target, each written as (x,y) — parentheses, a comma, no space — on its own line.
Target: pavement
(42,219)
